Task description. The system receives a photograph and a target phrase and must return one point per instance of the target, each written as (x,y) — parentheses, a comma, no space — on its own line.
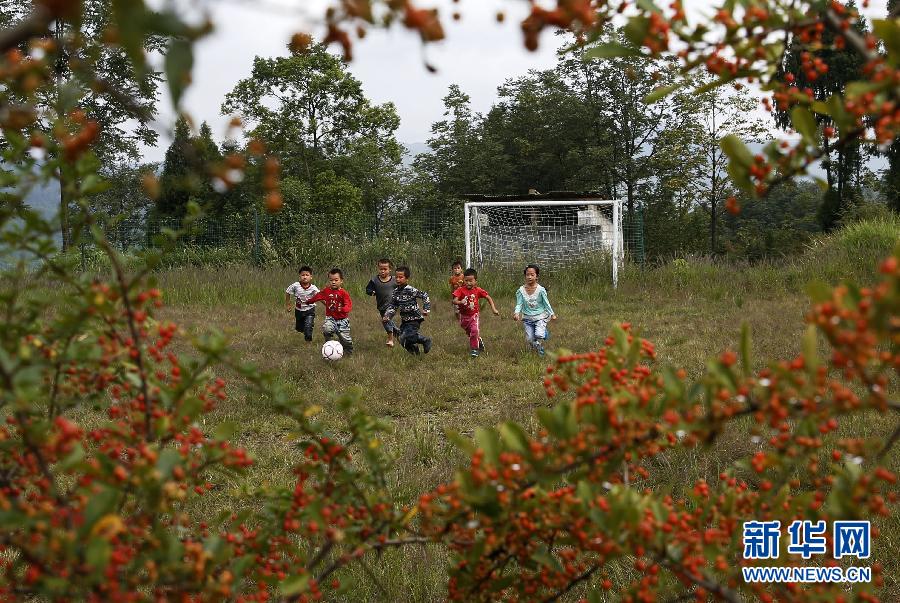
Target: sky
(479,54)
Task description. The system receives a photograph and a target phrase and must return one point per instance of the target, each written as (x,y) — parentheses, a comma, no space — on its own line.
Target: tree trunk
(59,71)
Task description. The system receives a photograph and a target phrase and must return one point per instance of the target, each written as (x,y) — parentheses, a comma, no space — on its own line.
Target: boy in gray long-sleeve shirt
(382,287)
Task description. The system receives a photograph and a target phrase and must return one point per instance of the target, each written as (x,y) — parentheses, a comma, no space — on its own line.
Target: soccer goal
(555,234)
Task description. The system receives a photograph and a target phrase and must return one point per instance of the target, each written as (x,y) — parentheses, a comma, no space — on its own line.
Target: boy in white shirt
(304,313)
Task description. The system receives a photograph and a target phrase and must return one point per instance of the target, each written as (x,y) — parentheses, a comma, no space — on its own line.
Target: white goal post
(554,234)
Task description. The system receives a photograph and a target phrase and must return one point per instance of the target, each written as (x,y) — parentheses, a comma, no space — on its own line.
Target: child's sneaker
(426,345)
(474,353)
(540,350)
(480,344)
(389,344)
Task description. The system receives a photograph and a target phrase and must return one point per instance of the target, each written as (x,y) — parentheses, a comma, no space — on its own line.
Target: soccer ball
(332,350)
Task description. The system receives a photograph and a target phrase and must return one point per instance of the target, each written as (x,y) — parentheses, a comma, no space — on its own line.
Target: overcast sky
(478,54)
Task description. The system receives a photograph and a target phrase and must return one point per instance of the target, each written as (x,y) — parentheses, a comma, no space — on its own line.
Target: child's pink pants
(470,326)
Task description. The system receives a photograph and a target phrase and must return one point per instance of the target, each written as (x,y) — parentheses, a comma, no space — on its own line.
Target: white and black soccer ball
(332,350)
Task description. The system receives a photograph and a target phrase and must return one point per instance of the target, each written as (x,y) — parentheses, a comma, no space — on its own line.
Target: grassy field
(690,309)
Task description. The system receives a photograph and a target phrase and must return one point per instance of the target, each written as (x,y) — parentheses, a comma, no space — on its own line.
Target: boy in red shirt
(337,310)
(466,298)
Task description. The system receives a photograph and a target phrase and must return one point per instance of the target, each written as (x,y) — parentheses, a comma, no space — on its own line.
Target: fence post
(256,235)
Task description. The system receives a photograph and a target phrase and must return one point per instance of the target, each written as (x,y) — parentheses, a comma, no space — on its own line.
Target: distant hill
(413,149)
(45,198)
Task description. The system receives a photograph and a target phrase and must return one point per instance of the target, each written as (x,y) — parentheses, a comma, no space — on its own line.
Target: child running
(533,309)
(304,311)
(337,310)
(456,281)
(405,301)
(466,299)
(382,287)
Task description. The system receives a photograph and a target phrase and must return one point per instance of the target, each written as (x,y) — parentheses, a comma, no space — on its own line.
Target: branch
(888,445)
(853,37)
(125,288)
(36,24)
(572,584)
(722,591)
(818,154)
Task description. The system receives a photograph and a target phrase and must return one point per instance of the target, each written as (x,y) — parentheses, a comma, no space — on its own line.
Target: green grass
(691,310)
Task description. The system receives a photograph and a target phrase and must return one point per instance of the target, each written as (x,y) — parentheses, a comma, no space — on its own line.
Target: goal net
(552,234)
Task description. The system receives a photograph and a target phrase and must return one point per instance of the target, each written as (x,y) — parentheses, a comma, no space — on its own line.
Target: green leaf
(179,62)
(213,545)
(99,505)
(294,585)
(838,112)
(73,459)
(737,151)
(611,50)
(858,88)
(585,492)
(93,184)
(889,31)
(661,92)
(460,441)
(740,175)
(648,6)
(810,348)
(672,385)
(225,430)
(543,556)
(496,585)
(746,360)
(818,291)
(97,553)
(242,564)
(721,81)
(514,437)
(548,420)
(636,30)
(820,108)
(130,16)
(488,441)
(167,460)
(805,124)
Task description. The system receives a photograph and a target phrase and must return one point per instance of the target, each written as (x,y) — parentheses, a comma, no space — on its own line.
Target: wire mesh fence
(289,236)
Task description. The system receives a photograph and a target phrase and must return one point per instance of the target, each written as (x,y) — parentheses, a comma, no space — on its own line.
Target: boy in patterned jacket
(337,310)
(405,302)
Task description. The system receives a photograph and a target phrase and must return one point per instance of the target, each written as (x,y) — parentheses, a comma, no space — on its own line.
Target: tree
(825,71)
(373,162)
(616,90)
(307,108)
(93,82)
(718,112)
(892,176)
(312,114)
(453,161)
(537,125)
(180,178)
